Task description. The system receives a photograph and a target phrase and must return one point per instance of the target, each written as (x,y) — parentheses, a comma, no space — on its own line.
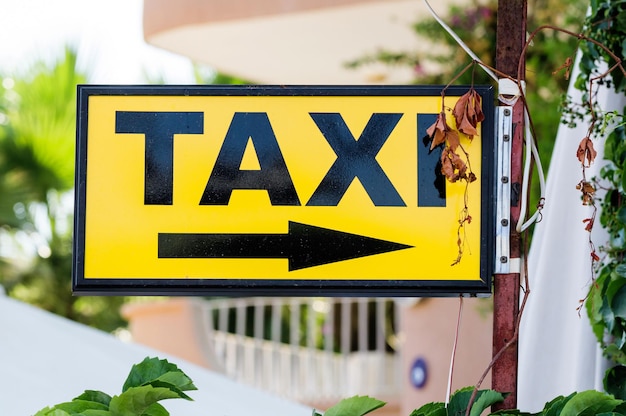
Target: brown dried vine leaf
(588,191)
(452,166)
(594,256)
(586,151)
(468,112)
(437,132)
(440,132)
(452,137)
(567,65)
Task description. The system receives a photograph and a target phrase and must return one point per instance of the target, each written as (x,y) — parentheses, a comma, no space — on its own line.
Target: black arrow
(304,245)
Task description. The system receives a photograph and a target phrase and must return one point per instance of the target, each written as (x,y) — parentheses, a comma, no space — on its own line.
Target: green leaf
(620,409)
(430,409)
(608,319)
(179,392)
(609,148)
(613,284)
(621,341)
(459,400)
(355,406)
(151,369)
(581,81)
(589,403)
(137,400)
(52,412)
(621,213)
(555,406)
(621,270)
(484,399)
(618,303)
(79,406)
(155,410)
(178,379)
(593,305)
(95,396)
(612,352)
(615,381)
(96,413)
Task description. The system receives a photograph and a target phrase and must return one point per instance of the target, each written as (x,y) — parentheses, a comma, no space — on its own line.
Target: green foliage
(607,25)
(149,382)
(37,135)
(154,380)
(589,403)
(431,409)
(586,403)
(459,403)
(37,141)
(474,23)
(354,406)
(615,381)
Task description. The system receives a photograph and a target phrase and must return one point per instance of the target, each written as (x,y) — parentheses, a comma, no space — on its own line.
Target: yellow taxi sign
(282,190)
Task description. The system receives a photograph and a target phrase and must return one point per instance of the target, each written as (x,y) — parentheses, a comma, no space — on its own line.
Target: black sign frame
(274,287)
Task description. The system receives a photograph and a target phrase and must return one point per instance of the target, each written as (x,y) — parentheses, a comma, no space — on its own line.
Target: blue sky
(108,34)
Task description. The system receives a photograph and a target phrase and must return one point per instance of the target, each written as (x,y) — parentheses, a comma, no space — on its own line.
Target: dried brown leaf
(461,107)
(467,128)
(459,164)
(588,191)
(452,137)
(567,65)
(440,132)
(477,114)
(437,132)
(586,151)
(453,167)
(447,169)
(468,113)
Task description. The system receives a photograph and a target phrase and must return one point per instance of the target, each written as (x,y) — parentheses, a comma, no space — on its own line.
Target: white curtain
(558,353)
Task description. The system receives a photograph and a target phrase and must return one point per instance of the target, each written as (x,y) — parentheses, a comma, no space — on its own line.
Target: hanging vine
(455,166)
(603,46)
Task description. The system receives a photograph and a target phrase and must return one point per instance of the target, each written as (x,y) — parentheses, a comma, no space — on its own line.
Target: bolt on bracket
(504,132)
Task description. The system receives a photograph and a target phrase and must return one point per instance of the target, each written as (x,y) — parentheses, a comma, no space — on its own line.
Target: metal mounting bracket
(504,135)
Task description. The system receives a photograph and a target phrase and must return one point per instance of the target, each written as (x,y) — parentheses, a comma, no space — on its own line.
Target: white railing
(306,349)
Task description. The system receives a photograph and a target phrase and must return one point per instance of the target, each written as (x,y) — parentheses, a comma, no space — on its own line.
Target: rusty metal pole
(511,36)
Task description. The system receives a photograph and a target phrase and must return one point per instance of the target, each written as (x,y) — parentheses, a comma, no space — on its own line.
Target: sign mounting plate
(273,190)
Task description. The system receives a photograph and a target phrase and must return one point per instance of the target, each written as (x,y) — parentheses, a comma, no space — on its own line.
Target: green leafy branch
(154,380)
(149,382)
(463,401)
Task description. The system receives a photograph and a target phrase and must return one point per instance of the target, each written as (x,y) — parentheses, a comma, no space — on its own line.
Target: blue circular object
(419,373)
